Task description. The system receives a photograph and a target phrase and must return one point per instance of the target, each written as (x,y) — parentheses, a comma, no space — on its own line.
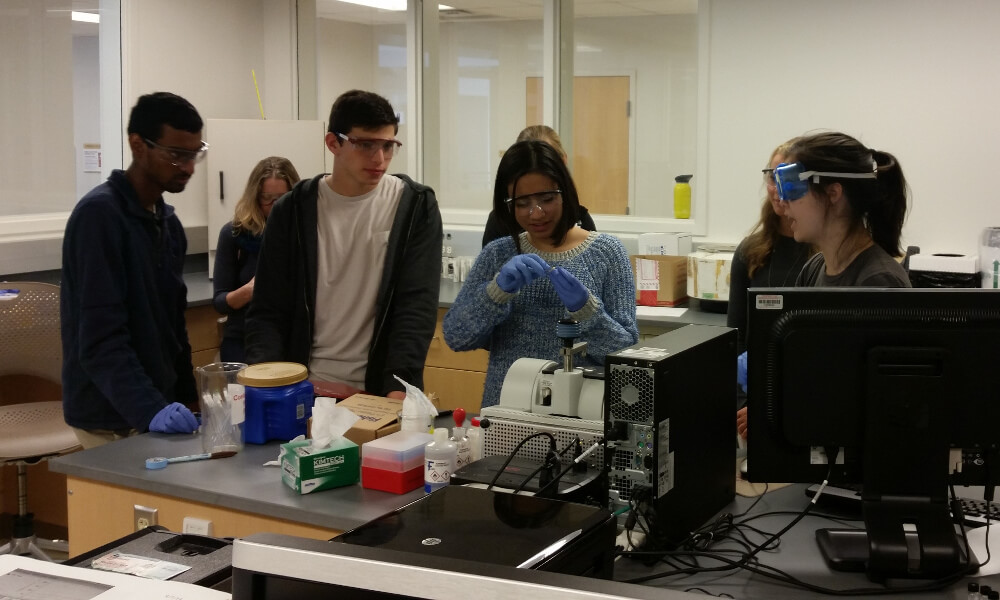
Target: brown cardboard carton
(659,280)
(379,417)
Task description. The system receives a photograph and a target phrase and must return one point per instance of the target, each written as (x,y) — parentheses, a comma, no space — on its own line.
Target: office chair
(31,432)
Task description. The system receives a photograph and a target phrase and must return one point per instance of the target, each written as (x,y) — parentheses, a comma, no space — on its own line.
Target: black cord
(545,464)
(510,456)
(748,562)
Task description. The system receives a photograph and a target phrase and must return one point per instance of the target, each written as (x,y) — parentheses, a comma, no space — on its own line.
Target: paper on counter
(659,311)
(30,579)
(140,566)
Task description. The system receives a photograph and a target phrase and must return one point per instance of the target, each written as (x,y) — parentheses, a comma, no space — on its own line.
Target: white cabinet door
(237,145)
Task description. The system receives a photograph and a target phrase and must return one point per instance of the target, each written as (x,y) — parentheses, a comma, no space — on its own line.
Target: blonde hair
(248,216)
(760,243)
(543,133)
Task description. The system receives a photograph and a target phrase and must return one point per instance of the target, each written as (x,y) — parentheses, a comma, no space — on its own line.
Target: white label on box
(647,274)
(770,302)
(645,352)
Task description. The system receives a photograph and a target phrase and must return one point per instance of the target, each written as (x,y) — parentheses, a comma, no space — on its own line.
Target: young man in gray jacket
(349,269)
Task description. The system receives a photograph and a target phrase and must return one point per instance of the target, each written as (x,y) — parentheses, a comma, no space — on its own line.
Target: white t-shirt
(353,236)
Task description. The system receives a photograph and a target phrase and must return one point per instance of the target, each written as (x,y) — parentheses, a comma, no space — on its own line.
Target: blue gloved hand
(174,418)
(741,371)
(520,271)
(572,293)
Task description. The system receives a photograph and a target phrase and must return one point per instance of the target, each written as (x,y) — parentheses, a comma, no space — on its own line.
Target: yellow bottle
(682,197)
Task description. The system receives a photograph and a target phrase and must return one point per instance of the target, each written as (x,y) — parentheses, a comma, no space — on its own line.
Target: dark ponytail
(878,205)
(886,215)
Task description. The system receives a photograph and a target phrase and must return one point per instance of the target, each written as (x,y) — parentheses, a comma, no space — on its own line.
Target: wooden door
(600,154)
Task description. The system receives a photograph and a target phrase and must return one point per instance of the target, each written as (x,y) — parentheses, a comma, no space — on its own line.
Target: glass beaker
(222,400)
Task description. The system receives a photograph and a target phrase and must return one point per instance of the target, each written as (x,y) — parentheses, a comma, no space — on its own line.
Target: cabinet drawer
(440,355)
(203,331)
(455,388)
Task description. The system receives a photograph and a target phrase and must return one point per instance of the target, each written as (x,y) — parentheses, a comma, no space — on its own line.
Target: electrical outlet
(144,516)
(197,526)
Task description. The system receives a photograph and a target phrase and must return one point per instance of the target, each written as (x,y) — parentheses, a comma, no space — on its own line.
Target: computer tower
(670,424)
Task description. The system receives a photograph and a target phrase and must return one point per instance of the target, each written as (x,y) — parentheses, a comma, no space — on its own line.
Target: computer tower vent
(631,392)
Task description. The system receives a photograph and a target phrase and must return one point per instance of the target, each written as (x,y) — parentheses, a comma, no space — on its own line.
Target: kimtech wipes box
(306,470)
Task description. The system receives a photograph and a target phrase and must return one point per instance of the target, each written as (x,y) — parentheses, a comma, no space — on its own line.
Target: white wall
(918,79)
(204,51)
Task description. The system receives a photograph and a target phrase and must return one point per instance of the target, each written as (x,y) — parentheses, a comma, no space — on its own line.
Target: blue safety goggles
(792,180)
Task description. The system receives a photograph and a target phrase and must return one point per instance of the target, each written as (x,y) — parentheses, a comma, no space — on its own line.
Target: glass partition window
(485,67)
(50,122)
(634,109)
(359,47)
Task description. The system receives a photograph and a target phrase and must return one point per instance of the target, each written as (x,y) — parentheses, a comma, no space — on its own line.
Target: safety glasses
(792,180)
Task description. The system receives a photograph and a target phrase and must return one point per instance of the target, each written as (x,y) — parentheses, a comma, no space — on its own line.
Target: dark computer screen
(898,381)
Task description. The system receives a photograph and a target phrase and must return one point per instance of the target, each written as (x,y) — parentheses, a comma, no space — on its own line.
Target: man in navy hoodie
(126,357)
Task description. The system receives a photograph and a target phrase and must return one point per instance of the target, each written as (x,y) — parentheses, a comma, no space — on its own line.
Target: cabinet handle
(222,188)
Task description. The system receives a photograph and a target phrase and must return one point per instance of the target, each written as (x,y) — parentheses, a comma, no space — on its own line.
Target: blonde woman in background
(769,256)
(542,133)
(239,246)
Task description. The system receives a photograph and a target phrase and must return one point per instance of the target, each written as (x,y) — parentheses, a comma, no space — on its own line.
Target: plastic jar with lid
(279,401)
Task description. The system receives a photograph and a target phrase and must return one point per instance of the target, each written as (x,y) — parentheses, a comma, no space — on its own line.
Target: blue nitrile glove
(520,271)
(572,293)
(741,371)
(174,418)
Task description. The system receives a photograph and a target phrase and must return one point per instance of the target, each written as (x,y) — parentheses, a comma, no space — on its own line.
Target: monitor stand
(905,469)
(888,547)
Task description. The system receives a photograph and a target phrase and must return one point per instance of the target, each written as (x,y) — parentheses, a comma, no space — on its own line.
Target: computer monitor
(902,383)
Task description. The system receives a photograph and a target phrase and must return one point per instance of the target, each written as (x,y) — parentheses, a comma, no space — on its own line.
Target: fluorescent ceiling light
(397,5)
(86,17)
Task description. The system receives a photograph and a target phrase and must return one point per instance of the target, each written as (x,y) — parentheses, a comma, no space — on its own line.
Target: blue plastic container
(279,401)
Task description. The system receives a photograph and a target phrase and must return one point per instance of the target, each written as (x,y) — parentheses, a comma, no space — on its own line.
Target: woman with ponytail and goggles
(849,202)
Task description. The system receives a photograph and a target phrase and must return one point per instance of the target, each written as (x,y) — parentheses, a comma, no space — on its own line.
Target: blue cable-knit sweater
(523,324)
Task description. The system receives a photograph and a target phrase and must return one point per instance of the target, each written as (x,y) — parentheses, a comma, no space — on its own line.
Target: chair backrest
(30,341)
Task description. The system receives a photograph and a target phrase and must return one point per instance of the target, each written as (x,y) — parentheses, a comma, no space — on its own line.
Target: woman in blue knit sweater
(521,286)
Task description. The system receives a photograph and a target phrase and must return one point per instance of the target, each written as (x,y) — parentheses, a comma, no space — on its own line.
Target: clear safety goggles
(792,180)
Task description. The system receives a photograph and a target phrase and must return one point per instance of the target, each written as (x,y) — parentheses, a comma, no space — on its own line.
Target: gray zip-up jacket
(279,322)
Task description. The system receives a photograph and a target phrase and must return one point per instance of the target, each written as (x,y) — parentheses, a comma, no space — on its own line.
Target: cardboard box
(708,275)
(668,244)
(306,471)
(379,417)
(659,280)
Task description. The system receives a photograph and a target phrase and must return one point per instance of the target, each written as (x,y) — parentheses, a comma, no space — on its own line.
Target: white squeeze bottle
(439,460)
(464,449)
(476,441)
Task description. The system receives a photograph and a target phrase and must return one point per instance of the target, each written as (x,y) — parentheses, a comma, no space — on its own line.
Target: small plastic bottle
(476,441)
(439,460)
(464,448)
(973,588)
(682,197)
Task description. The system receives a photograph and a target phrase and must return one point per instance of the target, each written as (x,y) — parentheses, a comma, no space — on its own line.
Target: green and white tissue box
(306,470)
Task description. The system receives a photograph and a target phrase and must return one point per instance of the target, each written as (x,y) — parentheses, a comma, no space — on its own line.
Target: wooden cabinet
(203,333)
(100,513)
(457,378)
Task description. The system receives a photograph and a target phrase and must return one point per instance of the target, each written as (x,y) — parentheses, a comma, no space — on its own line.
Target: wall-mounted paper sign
(91,158)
